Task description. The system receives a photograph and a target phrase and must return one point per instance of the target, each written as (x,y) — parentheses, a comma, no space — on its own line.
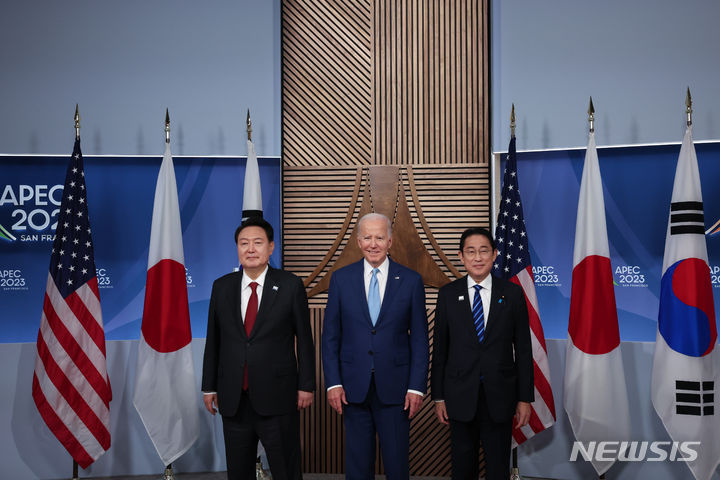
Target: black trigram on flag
(694,398)
(687,217)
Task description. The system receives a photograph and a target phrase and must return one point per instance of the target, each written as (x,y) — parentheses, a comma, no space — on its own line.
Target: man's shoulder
(349,269)
(280,275)
(228,278)
(506,286)
(403,270)
(453,286)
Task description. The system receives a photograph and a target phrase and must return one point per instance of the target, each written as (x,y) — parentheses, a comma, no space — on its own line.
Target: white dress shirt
(382,276)
(485,294)
(246,291)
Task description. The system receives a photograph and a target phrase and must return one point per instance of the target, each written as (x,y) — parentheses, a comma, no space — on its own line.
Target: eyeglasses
(472,253)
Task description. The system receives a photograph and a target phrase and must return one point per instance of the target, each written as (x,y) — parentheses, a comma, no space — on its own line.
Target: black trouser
(279,434)
(465,441)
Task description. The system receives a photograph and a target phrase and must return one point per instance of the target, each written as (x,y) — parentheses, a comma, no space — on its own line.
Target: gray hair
(375,216)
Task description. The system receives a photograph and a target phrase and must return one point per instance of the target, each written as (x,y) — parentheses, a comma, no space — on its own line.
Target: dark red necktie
(250,314)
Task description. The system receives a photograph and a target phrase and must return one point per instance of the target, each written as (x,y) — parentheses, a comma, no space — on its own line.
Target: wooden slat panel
(388,82)
(385,82)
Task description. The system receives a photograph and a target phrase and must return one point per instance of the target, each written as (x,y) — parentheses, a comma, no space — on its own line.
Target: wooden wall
(385,108)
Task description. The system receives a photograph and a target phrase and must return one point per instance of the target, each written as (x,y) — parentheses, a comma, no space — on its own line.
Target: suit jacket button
(370,352)
(373,331)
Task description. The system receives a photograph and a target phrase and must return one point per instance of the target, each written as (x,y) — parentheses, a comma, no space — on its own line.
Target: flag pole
(591,129)
(167,126)
(515,471)
(168,474)
(77,122)
(77,137)
(248,122)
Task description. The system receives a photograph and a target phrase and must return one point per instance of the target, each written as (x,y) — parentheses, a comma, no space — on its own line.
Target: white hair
(375,216)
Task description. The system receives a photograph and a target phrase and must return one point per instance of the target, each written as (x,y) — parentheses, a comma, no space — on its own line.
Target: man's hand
(413,402)
(304,399)
(522,414)
(210,400)
(441,412)
(336,399)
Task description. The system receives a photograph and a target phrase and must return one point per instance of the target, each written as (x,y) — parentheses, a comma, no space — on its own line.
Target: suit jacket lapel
(465,306)
(392,285)
(236,301)
(496,294)
(269,295)
(359,286)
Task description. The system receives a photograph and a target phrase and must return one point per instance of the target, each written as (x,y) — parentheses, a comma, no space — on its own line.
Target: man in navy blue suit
(375,352)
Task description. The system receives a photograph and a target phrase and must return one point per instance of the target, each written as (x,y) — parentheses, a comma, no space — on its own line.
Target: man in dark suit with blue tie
(375,352)
(482,370)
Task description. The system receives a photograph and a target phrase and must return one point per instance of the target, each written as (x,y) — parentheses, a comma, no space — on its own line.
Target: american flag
(513,263)
(71,387)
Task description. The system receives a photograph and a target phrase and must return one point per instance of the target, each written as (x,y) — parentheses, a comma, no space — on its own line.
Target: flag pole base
(168,475)
(75,475)
(260,472)
(515,474)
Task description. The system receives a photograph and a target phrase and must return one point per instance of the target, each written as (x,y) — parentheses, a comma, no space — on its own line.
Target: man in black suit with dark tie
(252,371)
(482,368)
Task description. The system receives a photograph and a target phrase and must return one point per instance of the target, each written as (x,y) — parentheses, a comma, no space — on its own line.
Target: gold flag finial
(688,107)
(248,122)
(512,121)
(167,126)
(591,116)
(77,122)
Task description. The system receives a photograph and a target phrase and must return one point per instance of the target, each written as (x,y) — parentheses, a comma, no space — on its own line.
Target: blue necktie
(374,296)
(478,315)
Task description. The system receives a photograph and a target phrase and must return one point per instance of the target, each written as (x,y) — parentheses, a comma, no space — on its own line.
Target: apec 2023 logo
(33,211)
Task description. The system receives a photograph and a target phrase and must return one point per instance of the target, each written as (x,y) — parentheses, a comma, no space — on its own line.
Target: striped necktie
(478,314)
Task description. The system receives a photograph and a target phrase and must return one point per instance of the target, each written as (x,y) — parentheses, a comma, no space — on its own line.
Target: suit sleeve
(523,350)
(440,350)
(305,345)
(212,348)
(419,348)
(331,335)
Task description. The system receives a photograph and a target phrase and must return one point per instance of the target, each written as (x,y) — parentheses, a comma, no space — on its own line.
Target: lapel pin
(397,278)
(461,298)
(275,288)
(500,300)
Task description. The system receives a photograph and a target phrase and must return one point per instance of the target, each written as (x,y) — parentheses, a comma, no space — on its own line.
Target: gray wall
(125,62)
(636,58)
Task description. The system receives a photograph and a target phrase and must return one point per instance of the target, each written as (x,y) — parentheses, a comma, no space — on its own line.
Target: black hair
(255,222)
(477,231)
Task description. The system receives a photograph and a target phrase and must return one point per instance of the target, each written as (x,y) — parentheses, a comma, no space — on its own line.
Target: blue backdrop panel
(637,185)
(120,201)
